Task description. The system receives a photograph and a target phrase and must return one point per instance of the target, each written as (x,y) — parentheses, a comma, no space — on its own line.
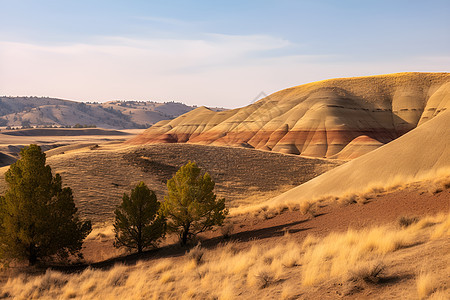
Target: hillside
(336,118)
(99,176)
(422,153)
(35,111)
(12,141)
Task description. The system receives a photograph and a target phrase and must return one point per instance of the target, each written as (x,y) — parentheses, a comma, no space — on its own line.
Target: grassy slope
(99,177)
(332,265)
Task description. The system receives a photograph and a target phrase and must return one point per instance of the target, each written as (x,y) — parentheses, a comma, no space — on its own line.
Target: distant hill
(41,111)
(338,118)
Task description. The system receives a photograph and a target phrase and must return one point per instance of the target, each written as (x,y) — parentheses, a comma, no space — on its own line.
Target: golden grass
(288,292)
(308,207)
(434,181)
(442,229)
(341,254)
(439,295)
(426,285)
(227,272)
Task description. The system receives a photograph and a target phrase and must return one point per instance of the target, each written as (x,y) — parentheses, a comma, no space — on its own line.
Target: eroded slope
(338,118)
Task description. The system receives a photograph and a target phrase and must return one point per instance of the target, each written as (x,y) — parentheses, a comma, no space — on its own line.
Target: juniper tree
(191,205)
(138,223)
(38,217)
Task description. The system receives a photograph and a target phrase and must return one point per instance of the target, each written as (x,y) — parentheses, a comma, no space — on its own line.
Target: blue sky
(215,53)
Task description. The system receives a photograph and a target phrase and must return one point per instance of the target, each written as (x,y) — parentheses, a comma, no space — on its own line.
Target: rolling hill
(36,111)
(423,153)
(336,118)
(99,176)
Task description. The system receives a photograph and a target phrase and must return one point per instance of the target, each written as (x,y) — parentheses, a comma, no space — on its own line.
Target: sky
(213,53)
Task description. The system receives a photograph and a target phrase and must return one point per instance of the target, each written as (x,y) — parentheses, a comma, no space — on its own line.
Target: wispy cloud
(215,69)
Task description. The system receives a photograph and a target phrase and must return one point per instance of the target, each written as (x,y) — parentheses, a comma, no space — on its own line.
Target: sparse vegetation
(84,126)
(191,206)
(196,254)
(405,221)
(227,230)
(38,217)
(308,208)
(138,223)
(369,273)
(271,266)
(264,278)
(258,271)
(426,285)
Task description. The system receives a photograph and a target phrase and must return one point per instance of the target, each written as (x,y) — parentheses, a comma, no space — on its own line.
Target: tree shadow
(264,233)
(176,250)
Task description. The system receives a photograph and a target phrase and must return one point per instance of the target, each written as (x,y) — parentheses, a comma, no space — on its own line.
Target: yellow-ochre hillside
(337,118)
(423,153)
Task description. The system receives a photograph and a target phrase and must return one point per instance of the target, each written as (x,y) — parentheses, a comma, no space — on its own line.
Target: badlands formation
(337,118)
(422,154)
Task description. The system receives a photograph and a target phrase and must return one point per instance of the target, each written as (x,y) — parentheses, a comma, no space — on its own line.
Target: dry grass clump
(369,273)
(102,232)
(264,278)
(347,199)
(426,285)
(47,285)
(442,229)
(439,185)
(405,221)
(227,230)
(308,208)
(196,254)
(352,198)
(288,293)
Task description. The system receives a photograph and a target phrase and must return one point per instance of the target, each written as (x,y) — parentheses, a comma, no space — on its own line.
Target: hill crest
(336,118)
(43,111)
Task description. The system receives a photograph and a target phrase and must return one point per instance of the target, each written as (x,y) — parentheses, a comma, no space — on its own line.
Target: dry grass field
(100,175)
(383,243)
(385,259)
(386,242)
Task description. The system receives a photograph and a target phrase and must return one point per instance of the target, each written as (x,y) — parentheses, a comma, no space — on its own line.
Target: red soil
(380,210)
(249,229)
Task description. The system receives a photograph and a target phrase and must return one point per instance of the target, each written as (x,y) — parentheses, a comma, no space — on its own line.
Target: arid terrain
(337,118)
(374,224)
(44,111)
(99,176)
(12,141)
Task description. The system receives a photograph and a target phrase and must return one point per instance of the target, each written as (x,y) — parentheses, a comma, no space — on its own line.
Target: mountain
(32,111)
(338,118)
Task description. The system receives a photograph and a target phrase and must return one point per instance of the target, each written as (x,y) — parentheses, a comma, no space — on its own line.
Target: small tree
(191,204)
(38,217)
(138,222)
